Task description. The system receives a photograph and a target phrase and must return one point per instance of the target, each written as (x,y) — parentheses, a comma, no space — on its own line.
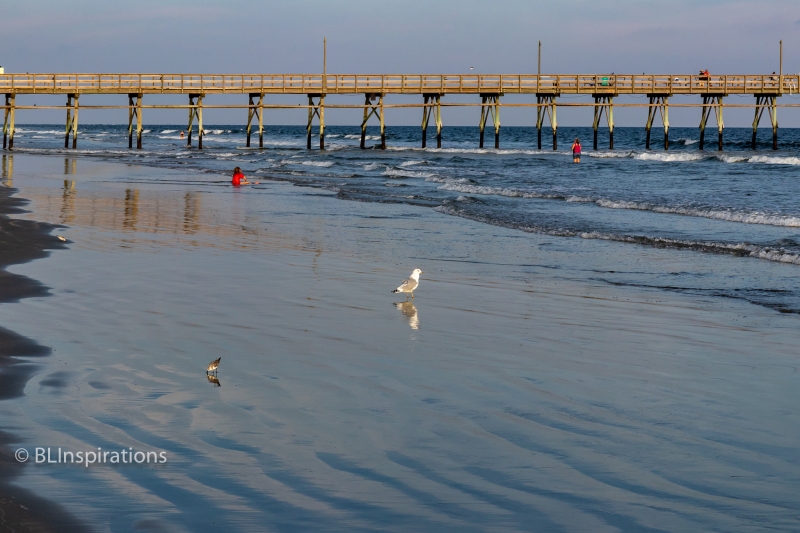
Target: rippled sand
(508,396)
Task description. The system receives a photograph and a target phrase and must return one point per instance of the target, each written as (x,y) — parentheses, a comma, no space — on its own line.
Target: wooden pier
(490,88)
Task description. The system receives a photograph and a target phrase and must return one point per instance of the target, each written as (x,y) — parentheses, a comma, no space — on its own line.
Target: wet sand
(22,241)
(508,396)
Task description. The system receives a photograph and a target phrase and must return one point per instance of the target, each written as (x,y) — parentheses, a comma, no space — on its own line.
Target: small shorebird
(62,239)
(213,365)
(410,284)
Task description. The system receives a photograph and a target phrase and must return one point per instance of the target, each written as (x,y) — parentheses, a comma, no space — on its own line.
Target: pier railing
(616,84)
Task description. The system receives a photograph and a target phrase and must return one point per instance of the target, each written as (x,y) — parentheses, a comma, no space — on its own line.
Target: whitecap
(395,173)
(774,160)
(668,157)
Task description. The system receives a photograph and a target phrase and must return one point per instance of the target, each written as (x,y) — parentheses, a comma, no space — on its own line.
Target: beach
(22,241)
(518,391)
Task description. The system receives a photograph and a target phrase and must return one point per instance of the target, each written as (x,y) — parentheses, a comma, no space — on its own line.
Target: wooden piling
(195,111)
(11,122)
(75,122)
(766,102)
(139,121)
(711,102)
(6,114)
(256,110)
(316,110)
(604,104)
(200,130)
(69,120)
(72,120)
(322,122)
(369,110)
(482,122)
(131,114)
(432,106)
(658,102)
(546,106)
(383,124)
(490,106)
(425,115)
(191,119)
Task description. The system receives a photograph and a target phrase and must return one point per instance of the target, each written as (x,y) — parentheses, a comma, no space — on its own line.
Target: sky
(409,36)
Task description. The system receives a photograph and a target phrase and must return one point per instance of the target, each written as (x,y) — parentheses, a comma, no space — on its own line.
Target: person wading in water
(576,151)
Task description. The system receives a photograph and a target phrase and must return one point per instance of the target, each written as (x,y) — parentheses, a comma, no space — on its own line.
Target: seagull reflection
(410,311)
(213,379)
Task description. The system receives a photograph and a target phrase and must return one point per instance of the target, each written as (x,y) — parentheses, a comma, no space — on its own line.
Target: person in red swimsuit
(240,179)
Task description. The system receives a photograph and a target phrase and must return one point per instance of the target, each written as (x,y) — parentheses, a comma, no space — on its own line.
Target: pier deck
(614,84)
(603,88)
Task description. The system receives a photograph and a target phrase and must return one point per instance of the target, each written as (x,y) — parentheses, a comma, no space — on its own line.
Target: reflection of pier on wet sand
(139,215)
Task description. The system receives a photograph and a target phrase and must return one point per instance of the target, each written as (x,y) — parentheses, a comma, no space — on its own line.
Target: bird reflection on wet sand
(410,311)
(213,379)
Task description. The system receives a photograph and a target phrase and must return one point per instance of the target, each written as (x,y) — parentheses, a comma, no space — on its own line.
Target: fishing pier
(488,90)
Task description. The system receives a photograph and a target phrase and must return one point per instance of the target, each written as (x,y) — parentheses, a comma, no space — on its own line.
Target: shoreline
(22,241)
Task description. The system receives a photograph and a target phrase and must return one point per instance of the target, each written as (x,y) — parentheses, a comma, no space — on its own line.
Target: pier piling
(658,103)
(546,105)
(432,105)
(195,111)
(256,110)
(316,110)
(139,122)
(8,121)
(604,103)
(768,102)
(72,120)
(490,105)
(135,111)
(711,102)
(369,110)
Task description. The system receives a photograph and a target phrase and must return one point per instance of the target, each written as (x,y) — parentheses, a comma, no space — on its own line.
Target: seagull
(62,239)
(212,366)
(410,284)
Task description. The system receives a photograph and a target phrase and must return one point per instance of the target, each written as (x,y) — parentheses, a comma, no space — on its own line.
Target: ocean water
(741,203)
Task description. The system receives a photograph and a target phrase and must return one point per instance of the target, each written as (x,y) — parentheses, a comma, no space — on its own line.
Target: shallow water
(739,202)
(520,390)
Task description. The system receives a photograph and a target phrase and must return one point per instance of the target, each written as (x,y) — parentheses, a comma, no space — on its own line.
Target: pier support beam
(72,120)
(768,102)
(256,110)
(369,110)
(432,106)
(490,105)
(8,121)
(135,111)
(658,103)
(546,105)
(195,111)
(316,110)
(604,103)
(711,102)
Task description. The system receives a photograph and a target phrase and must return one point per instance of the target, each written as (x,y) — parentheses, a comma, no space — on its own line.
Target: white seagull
(410,284)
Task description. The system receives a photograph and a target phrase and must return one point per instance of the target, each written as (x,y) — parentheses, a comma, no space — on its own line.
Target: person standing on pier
(576,151)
